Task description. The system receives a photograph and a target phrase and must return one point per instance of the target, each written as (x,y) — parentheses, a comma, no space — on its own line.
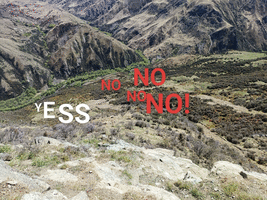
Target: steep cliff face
(19,69)
(76,49)
(168,27)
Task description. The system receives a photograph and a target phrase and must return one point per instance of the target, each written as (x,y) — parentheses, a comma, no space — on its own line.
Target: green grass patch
(107,33)
(51,25)
(182,185)
(93,142)
(27,34)
(126,173)
(121,156)
(46,160)
(245,196)
(5,149)
(230,189)
(216,196)
(197,194)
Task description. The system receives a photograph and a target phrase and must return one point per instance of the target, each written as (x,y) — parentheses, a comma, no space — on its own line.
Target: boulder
(8,174)
(50,195)
(80,196)
(192,178)
(227,169)
(59,176)
(5,157)
(51,141)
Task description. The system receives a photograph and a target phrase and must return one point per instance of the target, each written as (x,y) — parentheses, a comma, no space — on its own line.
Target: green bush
(216,195)
(27,34)
(31,91)
(5,149)
(38,162)
(51,25)
(230,189)
(196,193)
(182,185)
(125,172)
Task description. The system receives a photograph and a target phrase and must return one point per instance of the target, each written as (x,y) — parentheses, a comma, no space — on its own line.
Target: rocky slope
(40,40)
(75,49)
(217,151)
(169,27)
(120,171)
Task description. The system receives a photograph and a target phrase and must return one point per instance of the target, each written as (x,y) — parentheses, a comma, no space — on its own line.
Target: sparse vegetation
(93,141)
(121,156)
(51,25)
(28,97)
(196,193)
(5,149)
(126,173)
(46,160)
(230,189)
(228,101)
(182,185)
(27,34)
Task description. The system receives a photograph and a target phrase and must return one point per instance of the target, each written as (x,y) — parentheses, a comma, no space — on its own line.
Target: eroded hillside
(125,153)
(39,42)
(171,27)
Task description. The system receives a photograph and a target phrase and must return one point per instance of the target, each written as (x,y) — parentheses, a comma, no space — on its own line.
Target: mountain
(169,27)
(44,39)
(61,50)
(38,41)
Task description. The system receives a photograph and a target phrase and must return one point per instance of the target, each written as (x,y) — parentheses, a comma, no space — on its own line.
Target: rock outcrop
(8,174)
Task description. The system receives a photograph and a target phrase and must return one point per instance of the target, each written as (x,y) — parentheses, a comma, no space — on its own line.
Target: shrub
(245,196)
(39,162)
(93,141)
(31,91)
(125,172)
(27,34)
(216,195)
(248,144)
(63,131)
(129,125)
(262,161)
(23,155)
(141,124)
(200,129)
(120,156)
(182,185)
(5,149)
(137,116)
(169,186)
(196,193)
(114,131)
(64,166)
(130,136)
(77,84)
(51,25)
(251,155)
(12,135)
(230,189)
(90,128)
(199,147)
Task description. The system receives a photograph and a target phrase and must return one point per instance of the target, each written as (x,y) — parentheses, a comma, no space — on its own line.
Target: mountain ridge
(164,28)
